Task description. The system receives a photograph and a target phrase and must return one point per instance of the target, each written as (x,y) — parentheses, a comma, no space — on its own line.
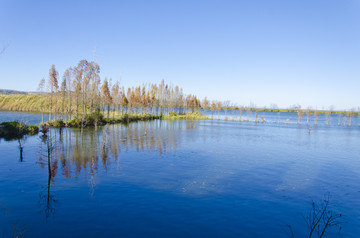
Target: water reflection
(75,151)
(222,171)
(46,198)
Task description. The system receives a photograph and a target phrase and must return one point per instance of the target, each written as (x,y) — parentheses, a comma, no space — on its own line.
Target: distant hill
(9,91)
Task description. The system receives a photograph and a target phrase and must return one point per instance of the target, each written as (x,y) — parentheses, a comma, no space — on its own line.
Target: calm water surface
(211,178)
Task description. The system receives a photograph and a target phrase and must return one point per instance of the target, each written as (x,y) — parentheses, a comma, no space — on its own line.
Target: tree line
(81,92)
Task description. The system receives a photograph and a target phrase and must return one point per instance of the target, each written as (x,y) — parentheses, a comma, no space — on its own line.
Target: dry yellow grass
(26,103)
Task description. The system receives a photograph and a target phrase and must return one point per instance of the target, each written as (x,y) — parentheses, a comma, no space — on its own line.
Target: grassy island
(184,116)
(16,130)
(97,119)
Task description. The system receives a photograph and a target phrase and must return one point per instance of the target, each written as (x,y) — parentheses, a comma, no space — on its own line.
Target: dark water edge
(180,178)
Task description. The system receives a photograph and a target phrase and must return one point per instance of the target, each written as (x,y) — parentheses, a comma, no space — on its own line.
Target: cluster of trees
(344,118)
(66,154)
(81,92)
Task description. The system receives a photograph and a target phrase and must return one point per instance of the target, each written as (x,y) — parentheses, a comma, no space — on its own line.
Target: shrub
(57,123)
(33,130)
(73,123)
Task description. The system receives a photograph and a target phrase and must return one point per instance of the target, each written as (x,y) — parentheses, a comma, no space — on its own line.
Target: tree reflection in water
(46,199)
(76,151)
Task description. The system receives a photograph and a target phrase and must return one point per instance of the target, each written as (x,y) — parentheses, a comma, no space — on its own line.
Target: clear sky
(285,52)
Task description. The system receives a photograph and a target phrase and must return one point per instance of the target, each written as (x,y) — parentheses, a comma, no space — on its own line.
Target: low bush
(185,116)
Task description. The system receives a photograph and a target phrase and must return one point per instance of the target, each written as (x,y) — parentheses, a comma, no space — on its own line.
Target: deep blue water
(210,178)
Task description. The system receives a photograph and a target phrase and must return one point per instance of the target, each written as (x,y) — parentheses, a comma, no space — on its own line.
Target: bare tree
(316,114)
(256,114)
(300,114)
(116,96)
(63,95)
(95,82)
(77,89)
(350,115)
(53,86)
(308,114)
(205,104)
(68,78)
(328,114)
(248,113)
(84,74)
(226,105)
(274,106)
(213,108)
(241,109)
(41,89)
(218,108)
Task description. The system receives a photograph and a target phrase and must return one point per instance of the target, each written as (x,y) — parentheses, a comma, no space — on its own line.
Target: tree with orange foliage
(218,107)
(205,104)
(106,96)
(115,96)
(308,114)
(300,114)
(316,114)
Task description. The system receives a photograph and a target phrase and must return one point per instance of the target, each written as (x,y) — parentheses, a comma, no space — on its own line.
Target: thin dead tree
(95,82)
(308,115)
(41,89)
(218,107)
(69,84)
(350,115)
(328,114)
(241,109)
(256,114)
(63,96)
(116,97)
(248,113)
(212,108)
(226,105)
(316,114)
(53,86)
(300,115)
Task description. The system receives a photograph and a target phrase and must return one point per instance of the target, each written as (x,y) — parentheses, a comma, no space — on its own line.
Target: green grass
(97,119)
(24,103)
(184,116)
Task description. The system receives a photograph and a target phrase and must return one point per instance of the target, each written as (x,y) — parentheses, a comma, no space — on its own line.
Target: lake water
(208,178)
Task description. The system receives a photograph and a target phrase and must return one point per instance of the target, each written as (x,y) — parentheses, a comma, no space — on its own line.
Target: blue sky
(286,52)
